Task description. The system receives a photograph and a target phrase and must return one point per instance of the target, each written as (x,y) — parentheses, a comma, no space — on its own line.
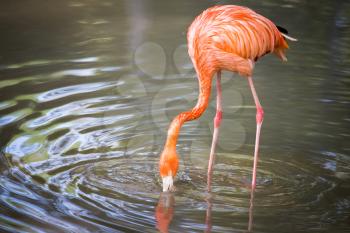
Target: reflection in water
(208,224)
(251,210)
(80,122)
(208,217)
(138,22)
(165,211)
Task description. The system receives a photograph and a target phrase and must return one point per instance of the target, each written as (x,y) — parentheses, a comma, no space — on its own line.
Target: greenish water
(88,88)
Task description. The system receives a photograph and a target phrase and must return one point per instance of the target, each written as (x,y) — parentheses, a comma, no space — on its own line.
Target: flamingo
(231,38)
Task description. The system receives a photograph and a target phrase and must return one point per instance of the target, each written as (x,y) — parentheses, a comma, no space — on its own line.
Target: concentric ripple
(93,148)
(87,91)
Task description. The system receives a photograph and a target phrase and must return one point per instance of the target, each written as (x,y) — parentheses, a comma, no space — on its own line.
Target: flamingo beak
(289,37)
(168,184)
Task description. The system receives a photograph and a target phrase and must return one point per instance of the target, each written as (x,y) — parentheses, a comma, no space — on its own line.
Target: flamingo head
(283,45)
(168,166)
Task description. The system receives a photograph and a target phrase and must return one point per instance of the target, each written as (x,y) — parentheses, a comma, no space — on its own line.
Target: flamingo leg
(259,120)
(217,122)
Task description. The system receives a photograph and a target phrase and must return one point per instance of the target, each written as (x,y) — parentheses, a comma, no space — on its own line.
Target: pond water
(87,91)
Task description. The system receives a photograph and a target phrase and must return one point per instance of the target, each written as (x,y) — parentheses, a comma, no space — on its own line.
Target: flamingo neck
(174,130)
(196,112)
(168,163)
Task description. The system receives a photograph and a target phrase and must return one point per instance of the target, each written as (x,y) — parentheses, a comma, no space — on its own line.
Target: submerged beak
(168,184)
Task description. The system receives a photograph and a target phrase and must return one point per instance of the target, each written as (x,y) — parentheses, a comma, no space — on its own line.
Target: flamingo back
(232,32)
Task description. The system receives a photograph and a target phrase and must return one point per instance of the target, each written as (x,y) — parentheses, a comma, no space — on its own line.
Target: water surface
(88,88)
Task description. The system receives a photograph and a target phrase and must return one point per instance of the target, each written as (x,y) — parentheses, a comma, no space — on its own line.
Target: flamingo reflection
(164,212)
(208,223)
(251,211)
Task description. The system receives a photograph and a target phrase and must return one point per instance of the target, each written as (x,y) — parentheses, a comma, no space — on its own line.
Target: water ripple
(71,90)
(84,112)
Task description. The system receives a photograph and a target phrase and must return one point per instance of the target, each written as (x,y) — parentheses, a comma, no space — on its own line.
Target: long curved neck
(204,80)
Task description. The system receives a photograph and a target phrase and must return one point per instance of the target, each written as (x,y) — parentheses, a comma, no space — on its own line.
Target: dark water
(88,88)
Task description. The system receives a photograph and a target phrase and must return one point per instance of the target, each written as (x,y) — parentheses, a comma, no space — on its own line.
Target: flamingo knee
(259,115)
(217,119)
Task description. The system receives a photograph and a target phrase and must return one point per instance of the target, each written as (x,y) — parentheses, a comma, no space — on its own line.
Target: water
(88,89)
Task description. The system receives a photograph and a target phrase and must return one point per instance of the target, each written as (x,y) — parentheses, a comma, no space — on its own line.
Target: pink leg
(217,121)
(259,120)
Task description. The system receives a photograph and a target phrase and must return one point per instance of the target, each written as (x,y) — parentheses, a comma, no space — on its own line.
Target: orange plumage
(221,38)
(232,38)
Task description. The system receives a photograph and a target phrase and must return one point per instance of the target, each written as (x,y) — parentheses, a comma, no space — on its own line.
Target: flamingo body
(229,38)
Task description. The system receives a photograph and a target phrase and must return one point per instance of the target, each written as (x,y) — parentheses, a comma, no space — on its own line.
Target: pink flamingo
(229,38)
